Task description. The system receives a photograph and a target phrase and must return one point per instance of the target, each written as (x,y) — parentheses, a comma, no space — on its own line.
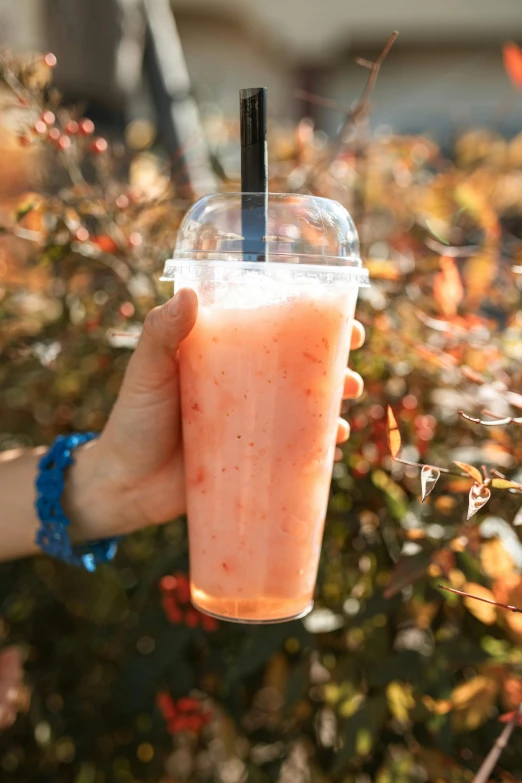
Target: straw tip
(251,92)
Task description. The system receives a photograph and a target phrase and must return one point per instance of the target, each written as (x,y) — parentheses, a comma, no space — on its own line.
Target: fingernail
(173,305)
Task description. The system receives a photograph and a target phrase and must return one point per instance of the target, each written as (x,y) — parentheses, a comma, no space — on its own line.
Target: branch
(510,608)
(495,422)
(361,107)
(424,464)
(352,115)
(362,103)
(489,763)
(449,251)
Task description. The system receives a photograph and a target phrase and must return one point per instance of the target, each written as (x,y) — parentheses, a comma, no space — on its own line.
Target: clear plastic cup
(262,376)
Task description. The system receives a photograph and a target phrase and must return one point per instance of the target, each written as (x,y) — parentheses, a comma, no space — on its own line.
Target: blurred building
(444,73)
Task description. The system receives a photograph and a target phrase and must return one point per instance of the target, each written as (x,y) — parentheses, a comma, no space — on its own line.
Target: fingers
(167,325)
(164,329)
(343,431)
(353,385)
(358,335)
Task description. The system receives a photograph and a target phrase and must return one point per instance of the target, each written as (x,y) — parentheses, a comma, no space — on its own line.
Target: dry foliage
(392,677)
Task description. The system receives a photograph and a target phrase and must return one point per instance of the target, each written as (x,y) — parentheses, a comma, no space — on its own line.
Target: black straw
(254,172)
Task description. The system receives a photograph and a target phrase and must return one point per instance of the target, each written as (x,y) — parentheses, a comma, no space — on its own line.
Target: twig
(450,251)
(494,423)
(351,115)
(318,100)
(509,607)
(421,465)
(489,763)
(361,107)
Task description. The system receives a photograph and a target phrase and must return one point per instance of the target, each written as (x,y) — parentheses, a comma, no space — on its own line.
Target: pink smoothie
(261,393)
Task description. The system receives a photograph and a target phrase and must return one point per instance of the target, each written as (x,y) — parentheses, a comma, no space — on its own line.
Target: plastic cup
(261,378)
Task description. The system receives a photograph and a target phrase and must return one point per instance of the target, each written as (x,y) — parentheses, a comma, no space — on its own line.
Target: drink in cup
(262,376)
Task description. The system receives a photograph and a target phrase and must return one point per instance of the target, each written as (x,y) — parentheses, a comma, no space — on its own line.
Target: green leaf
(406,665)
(297,684)
(505,484)
(24,210)
(260,644)
(358,733)
(97,597)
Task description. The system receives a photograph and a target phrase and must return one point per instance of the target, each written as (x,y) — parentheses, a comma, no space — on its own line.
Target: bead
(53,536)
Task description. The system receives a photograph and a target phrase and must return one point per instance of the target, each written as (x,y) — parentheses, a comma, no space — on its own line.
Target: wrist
(91,498)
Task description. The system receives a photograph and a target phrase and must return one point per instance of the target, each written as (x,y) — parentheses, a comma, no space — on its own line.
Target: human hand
(133,474)
(353,383)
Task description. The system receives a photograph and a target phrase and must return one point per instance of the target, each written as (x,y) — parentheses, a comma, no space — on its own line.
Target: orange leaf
(512,55)
(508,717)
(486,613)
(472,472)
(495,561)
(382,270)
(511,691)
(472,702)
(447,287)
(394,436)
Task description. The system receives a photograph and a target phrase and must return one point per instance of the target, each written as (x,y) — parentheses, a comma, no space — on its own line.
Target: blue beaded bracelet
(53,536)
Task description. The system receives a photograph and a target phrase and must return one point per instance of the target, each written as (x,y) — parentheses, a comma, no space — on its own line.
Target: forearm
(93,507)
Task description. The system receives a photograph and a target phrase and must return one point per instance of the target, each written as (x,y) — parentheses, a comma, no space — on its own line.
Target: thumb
(163,330)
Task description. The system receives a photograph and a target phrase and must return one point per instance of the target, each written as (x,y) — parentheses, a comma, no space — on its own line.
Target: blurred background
(114,116)
(444,74)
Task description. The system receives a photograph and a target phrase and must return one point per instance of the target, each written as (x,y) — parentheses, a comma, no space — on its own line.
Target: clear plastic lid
(281,228)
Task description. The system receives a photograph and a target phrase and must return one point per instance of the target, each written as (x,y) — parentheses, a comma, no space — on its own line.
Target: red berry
(166,704)
(194,723)
(64,142)
(24,140)
(135,239)
(99,145)
(188,704)
(54,134)
(206,717)
(82,235)
(183,591)
(72,127)
(40,127)
(50,60)
(176,725)
(86,127)
(48,117)
(183,587)
(127,309)
(105,243)
(168,583)
(122,202)
(192,618)
(172,610)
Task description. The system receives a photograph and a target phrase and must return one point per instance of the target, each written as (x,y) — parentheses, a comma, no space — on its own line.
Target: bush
(391,678)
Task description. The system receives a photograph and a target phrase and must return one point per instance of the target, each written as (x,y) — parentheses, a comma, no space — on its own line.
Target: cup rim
(192,269)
